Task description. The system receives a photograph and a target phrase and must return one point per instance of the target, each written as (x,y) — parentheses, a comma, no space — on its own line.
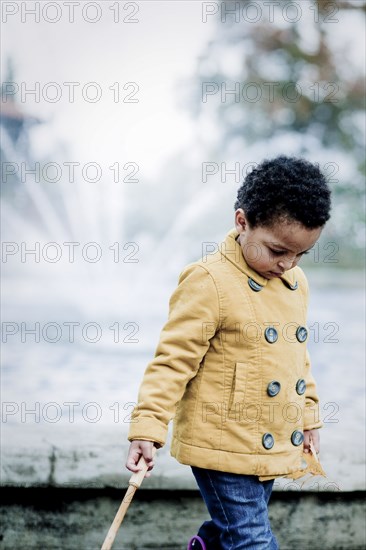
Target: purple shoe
(196,543)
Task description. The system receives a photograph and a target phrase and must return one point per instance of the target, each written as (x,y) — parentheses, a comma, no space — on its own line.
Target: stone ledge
(94,458)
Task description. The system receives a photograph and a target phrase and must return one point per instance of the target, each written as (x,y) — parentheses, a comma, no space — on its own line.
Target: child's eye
(277,252)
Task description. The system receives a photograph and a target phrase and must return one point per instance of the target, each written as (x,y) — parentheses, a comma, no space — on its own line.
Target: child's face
(271,251)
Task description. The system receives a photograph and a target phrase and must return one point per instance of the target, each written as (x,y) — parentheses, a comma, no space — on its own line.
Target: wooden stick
(133,484)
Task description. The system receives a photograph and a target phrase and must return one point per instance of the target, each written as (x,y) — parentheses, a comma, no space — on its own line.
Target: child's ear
(240,220)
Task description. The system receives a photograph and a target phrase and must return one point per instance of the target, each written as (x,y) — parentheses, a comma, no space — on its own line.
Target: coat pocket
(237,391)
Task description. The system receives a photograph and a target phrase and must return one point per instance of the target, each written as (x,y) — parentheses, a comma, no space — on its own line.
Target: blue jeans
(238,506)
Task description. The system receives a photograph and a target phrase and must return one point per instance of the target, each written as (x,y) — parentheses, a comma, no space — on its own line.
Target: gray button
(301,334)
(290,286)
(273,388)
(297,438)
(268,441)
(301,386)
(271,335)
(254,286)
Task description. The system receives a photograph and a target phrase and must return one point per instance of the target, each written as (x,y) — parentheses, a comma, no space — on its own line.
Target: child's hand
(311,435)
(137,448)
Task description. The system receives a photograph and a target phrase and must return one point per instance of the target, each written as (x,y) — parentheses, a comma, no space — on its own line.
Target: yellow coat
(232,368)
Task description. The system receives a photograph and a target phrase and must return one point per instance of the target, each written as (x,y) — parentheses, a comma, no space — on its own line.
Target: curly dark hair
(285,189)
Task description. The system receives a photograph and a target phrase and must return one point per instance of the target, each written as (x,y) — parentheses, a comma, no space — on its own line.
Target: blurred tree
(289,72)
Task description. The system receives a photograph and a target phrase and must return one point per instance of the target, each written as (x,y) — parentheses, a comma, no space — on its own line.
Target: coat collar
(232,250)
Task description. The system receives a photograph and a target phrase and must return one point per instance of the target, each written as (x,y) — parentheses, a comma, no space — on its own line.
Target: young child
(231,365)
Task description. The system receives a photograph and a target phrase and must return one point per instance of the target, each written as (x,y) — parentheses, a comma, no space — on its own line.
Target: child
(231,365)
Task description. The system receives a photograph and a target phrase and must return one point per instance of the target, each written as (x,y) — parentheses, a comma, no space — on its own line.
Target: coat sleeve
(192,321)
(312,413)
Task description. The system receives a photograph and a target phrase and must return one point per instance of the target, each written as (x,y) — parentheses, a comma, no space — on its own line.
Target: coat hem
(237,463)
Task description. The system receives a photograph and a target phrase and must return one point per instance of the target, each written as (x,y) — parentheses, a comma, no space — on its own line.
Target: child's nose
(286,263)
